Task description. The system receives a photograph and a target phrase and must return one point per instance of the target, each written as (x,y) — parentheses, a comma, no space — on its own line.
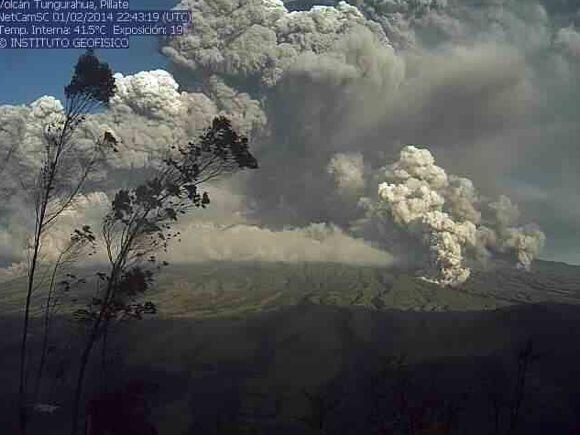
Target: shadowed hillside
(230,289)
(257,348)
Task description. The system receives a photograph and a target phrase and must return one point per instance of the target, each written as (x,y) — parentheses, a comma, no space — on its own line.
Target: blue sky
(26,75)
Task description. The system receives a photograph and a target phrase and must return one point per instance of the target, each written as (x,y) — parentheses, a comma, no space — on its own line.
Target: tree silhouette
(80,241)
(64,169)
(141,223)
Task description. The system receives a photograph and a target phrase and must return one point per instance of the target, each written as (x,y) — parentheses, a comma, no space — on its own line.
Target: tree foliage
(141,222)
(92,81)
(64,170)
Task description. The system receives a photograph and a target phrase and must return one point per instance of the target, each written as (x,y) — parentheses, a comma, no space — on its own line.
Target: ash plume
(445,212)
(259,39)
(348,172)
(488,85)
(317,242)
(327,95)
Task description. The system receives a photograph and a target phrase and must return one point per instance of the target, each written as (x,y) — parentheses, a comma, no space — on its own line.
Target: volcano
(260,347)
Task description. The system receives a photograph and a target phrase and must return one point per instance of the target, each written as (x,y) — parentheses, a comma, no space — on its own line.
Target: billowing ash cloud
(410,23)
(216,236)
(153,94)
(21,140)
(16,227)
(568,39)
(523,155)
(526,241)
(490,86)
(149,113)
(329,94)
(348,172)
(444,210)
(87,209)
(259,39)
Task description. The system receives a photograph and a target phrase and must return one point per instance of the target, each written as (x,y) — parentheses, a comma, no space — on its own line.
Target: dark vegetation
(65,167)
(140,223)
(311,368)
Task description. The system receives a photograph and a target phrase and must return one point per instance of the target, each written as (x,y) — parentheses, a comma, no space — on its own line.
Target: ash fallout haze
(382,158)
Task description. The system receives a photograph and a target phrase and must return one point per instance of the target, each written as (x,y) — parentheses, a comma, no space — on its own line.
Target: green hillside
(203,290)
